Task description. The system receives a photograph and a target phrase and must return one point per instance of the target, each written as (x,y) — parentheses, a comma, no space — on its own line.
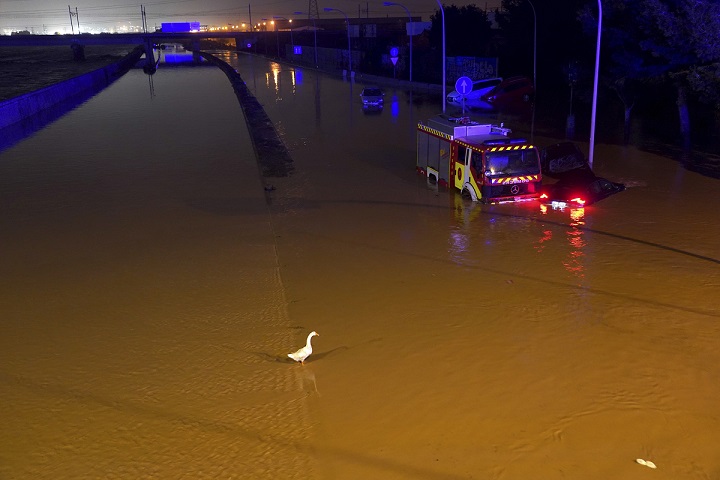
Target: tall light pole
(289,20)
(387,4)
(444,93)
(534,46)
(314,33)
(532,125)
(347,20)
(595,85)
(277,36)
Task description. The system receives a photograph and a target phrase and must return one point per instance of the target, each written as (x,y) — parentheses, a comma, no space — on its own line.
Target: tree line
(644,43)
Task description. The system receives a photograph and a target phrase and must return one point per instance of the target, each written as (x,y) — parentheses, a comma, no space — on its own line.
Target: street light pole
(292,43)
(347,20)
(595,85)
(387,4)
(444,93)
(315,34)
(277,36)
(534,46)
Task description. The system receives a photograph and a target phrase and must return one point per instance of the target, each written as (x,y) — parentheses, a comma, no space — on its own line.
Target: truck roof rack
(505,141)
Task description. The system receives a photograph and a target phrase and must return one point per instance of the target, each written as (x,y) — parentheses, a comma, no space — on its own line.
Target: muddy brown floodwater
(474,341)
(149,297)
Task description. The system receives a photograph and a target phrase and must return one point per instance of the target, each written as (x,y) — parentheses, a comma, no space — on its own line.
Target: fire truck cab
(480,160)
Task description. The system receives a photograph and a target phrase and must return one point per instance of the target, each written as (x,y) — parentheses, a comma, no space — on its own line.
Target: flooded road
(474,341)
(151,289)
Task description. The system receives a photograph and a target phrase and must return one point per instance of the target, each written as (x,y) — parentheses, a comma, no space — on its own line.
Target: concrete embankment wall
(24,106)
(273,156)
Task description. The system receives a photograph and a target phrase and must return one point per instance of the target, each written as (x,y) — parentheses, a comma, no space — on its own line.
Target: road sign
(394,55)
(463,85)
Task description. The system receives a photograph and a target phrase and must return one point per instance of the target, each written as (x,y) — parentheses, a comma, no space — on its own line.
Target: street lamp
(347,20)
(534,47)
(315,34)
(277,36)
(387,4)
(595,85)
(444,93)
(290,28)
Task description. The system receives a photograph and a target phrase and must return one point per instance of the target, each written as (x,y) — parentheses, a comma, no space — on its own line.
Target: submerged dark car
(577,184)
(561,157)
(372,97)
(576,192)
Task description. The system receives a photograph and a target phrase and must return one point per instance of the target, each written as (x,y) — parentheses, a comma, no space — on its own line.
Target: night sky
(51,16)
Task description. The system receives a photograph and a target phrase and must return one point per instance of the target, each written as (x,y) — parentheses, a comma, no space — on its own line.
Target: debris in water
(647,463)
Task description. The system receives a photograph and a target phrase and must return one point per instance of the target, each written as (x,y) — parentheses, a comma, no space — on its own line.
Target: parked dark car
(510,92)
(561,157)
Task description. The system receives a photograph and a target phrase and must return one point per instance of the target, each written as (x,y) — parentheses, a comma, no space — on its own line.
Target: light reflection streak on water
(547,236)
(459,241)
(575,261)
(395,107)
(275,71)
(458,246)
(293,81)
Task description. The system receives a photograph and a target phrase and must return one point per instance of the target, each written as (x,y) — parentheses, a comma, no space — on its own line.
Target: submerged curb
(273,156)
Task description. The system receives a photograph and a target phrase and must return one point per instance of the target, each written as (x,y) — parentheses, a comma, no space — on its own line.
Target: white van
(479,88)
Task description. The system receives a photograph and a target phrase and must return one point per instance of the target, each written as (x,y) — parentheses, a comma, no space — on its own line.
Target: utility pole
(313,10)
(314,15)
(72,26)
(144,18)
(595,85)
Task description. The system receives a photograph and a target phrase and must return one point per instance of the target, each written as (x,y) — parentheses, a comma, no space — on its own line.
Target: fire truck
(482,161)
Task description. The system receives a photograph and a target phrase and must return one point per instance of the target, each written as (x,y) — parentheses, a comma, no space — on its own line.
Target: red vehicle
(481,161)
(512,91)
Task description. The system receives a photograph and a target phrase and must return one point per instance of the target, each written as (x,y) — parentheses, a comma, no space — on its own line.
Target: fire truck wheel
(468,193)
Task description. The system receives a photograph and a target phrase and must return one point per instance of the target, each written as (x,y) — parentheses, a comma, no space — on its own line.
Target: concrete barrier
(24,106)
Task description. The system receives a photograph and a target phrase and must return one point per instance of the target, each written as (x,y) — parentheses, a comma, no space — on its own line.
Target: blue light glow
(395,106)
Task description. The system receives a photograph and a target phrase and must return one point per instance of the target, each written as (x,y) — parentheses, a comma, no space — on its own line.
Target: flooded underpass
(153,284)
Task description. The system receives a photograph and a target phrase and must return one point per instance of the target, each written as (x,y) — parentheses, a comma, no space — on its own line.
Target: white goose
(305,351)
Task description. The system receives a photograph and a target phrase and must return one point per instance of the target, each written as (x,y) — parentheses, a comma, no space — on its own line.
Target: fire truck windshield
(512,162)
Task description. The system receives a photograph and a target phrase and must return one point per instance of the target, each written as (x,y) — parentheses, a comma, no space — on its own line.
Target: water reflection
(275,72)
(544,240)
(574,262)
(151,85)
(176,56)
(293,82)
(395,106)
(318,110)
(305,381)
(464,214)
(495,234)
